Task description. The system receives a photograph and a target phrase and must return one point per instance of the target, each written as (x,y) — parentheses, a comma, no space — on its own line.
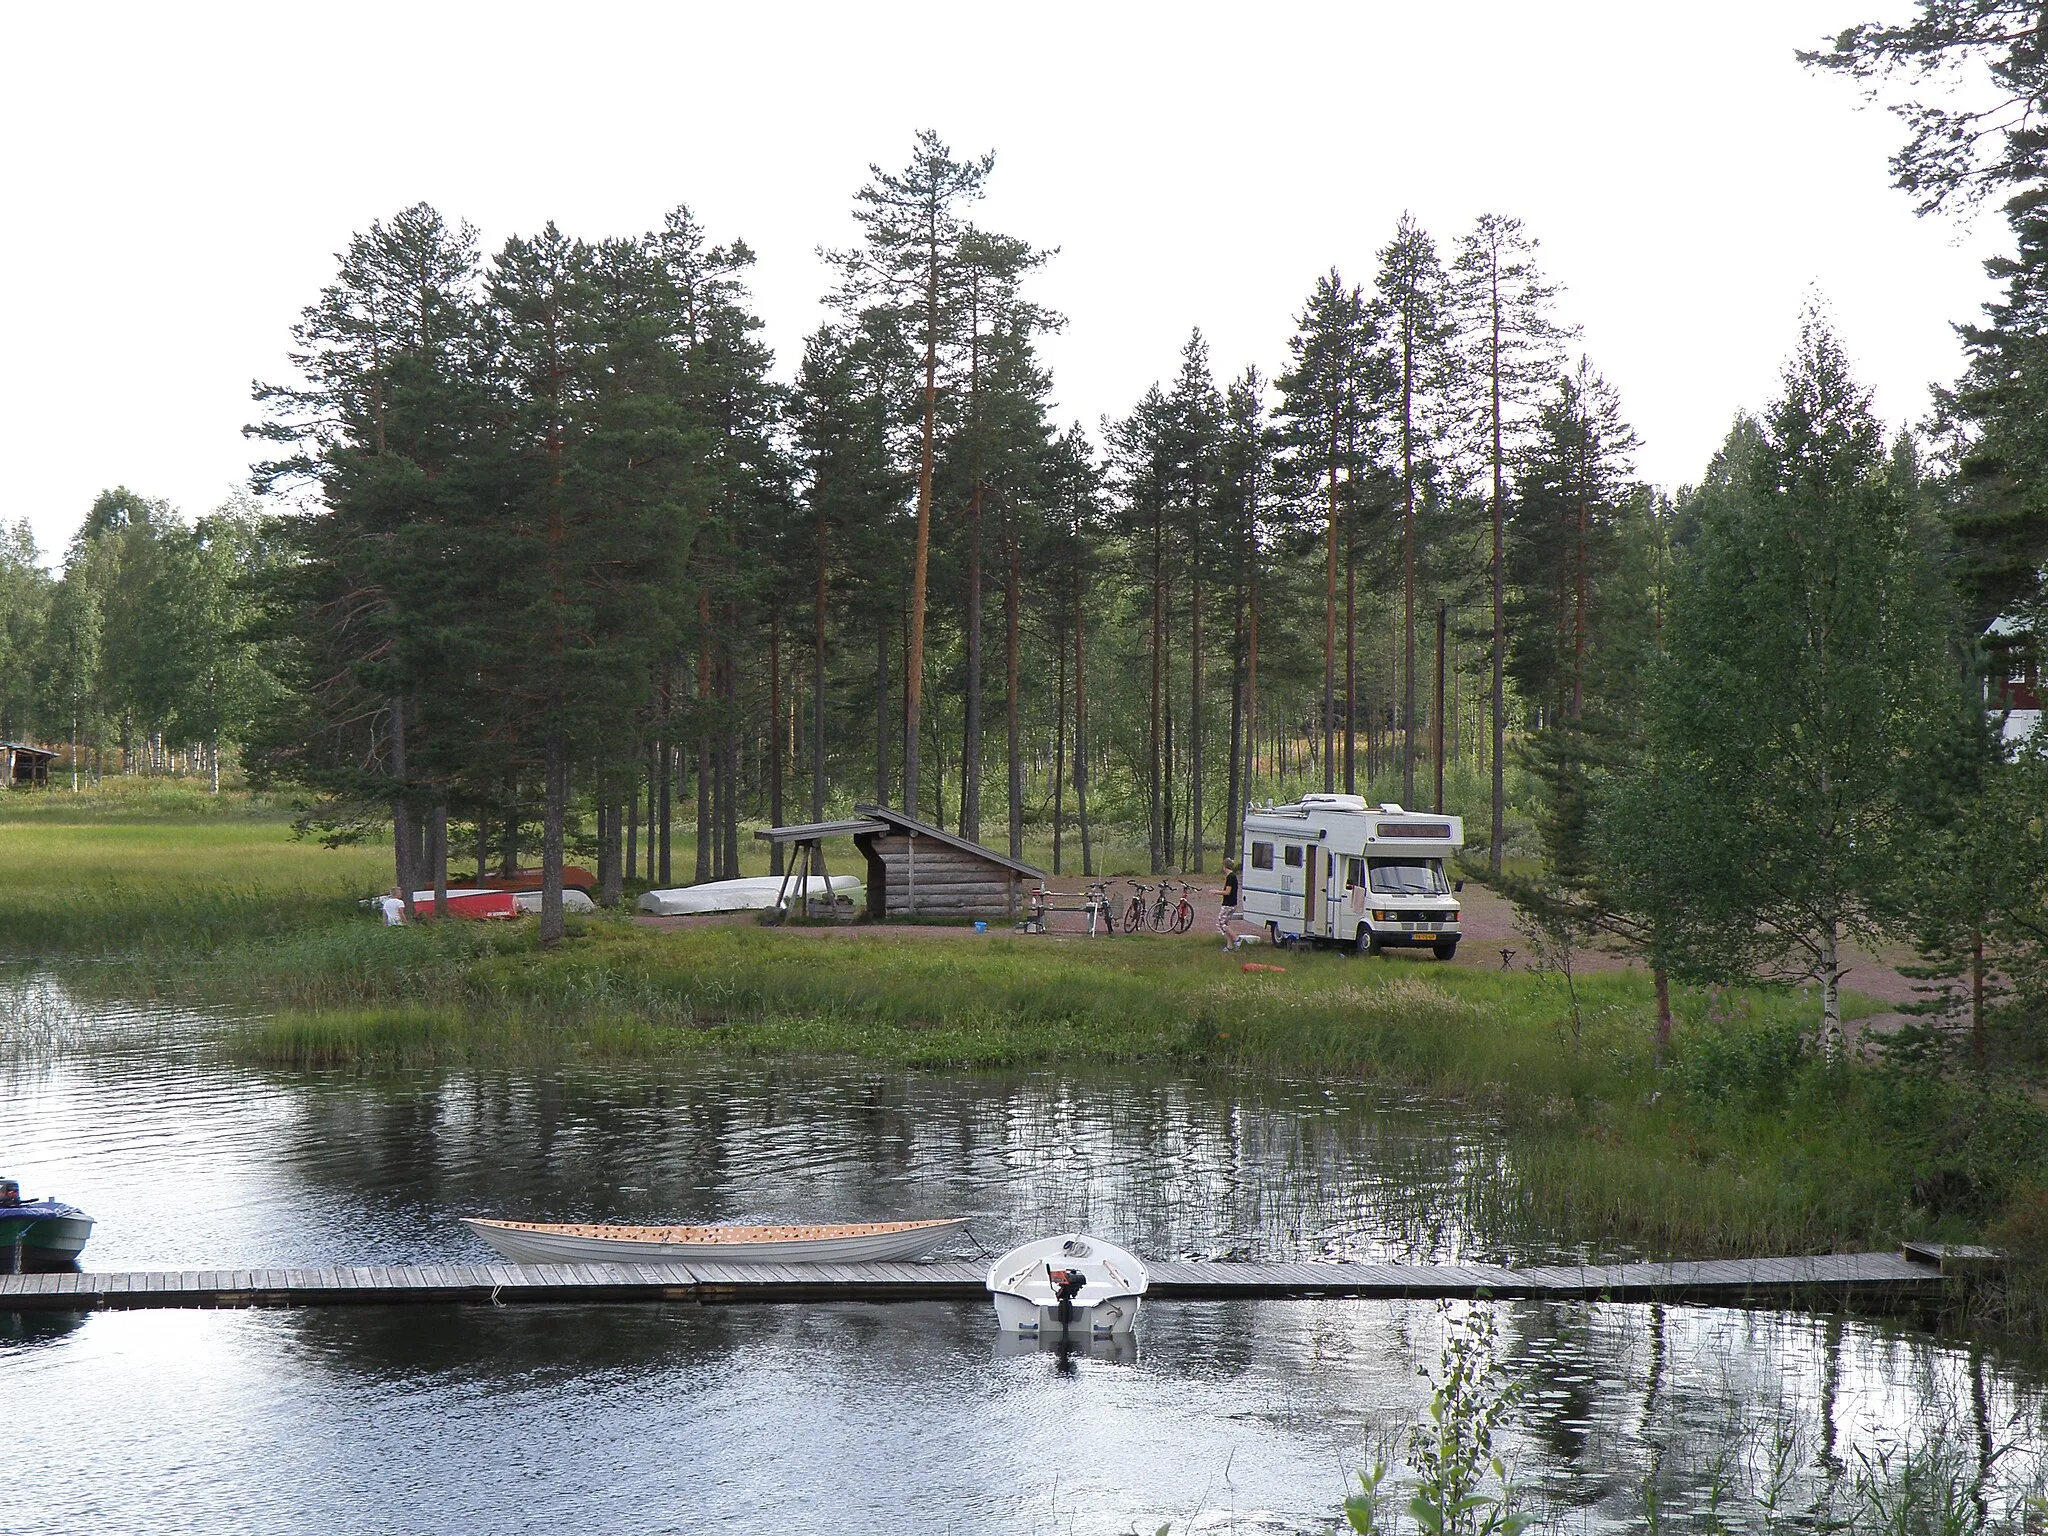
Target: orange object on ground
(1253,965)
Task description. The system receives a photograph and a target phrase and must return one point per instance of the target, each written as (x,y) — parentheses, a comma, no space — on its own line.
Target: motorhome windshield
(1408,877)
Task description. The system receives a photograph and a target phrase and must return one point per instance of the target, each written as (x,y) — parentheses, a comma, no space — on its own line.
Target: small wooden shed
(918,870)
(26,767)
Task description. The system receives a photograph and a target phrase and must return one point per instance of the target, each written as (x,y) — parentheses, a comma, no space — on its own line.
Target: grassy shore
(1743,1142)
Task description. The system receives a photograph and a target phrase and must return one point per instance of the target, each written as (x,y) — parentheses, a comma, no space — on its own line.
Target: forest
(551,512)
(543,555)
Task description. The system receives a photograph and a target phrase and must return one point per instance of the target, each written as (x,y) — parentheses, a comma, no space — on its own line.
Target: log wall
(949,882)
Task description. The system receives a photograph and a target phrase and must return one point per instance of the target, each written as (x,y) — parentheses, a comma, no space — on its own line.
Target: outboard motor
(10,1193)
(1066,1285)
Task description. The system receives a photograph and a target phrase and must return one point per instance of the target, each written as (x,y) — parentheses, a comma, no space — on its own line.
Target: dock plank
(1865,1279)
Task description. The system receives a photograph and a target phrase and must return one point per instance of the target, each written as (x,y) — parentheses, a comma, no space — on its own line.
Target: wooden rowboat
(542,1242)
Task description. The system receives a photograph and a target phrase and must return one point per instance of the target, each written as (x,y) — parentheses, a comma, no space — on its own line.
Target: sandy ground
(1490,941)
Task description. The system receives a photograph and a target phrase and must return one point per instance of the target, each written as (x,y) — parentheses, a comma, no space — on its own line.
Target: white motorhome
(1332,869)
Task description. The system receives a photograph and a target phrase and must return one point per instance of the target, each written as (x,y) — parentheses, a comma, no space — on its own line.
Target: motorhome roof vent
(1335,802)
(1388,808)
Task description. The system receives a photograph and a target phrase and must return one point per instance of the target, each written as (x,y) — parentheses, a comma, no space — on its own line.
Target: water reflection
(686,1418)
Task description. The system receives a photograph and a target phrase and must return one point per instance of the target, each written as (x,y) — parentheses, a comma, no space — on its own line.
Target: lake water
(905,1418)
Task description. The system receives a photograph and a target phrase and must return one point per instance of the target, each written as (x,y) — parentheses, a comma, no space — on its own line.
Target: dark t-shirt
(1230,889)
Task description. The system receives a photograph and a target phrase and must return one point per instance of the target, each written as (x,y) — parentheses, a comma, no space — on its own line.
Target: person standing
(1230,908)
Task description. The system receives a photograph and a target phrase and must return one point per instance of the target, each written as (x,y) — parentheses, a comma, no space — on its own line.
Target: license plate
(1425,933)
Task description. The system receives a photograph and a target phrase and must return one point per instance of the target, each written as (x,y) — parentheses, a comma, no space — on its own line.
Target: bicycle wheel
(1134,916)
(1183,916)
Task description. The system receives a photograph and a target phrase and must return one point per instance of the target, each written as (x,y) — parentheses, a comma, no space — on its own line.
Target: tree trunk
(1830,992)
(1330,623)
(553,815)
(707,835)
(970,730)
(818,675)
(401,814)
(1013,600)
(1195,744)
(774,743)
(1233,803)
(1059,745)
(913,671)
(1662,979)
(1081,733)
(1498,838)
(882,713)
(1436,715)
(1977,995)
(632,861)
(437,857)
(1153,741)
(1407,563)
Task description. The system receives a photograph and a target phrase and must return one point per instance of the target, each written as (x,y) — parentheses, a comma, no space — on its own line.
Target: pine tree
(1328,398)
(910,269)
(1416,325)
(1955,150)
(1510,349)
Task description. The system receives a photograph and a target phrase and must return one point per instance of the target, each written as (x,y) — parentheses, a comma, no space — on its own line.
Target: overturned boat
(1071,1285)
(39,1234)
(541,1242)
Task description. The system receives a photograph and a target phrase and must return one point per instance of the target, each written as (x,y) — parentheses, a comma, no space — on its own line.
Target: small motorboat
(542,1242)
(39,1234)
(1071,1285)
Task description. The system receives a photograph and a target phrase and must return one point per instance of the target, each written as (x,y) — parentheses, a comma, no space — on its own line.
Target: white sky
(176,179)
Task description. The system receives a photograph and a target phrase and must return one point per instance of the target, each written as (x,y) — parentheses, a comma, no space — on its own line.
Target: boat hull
(551,1243)
(48,1241)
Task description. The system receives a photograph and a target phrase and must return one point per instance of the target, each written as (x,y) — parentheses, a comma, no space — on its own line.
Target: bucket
(980,927)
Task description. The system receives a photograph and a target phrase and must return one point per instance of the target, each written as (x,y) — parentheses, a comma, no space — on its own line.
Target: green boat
(39,1234)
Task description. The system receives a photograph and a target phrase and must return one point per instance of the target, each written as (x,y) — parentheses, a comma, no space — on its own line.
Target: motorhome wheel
(1444,951)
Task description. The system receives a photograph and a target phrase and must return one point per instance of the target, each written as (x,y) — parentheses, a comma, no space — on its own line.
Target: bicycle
(1175,919)
(1100,908)
(1134,912)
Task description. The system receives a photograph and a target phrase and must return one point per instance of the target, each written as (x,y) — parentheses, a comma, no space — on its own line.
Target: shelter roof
(815,829)
(907,823)
(22,746)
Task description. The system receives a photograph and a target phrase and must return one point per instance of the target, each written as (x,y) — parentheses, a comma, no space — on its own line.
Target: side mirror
(1457,885)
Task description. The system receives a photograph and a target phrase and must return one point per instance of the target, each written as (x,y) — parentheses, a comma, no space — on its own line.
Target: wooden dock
(1877,1281)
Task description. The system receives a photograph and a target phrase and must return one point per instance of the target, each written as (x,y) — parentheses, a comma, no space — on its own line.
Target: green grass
(162,868)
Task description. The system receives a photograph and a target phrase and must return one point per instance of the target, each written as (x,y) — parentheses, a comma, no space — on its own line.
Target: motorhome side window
(1262,855)
(1354,871)
(1294,855)
(1409,877)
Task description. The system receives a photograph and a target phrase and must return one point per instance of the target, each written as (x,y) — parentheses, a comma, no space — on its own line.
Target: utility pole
(1436,718)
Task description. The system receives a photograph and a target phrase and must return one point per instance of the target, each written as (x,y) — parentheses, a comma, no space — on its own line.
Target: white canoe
(541,1242)
(753,894)
(1025,1283)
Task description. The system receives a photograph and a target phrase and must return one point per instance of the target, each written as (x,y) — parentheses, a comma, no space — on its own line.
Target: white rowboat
(755,893)
(541,1242)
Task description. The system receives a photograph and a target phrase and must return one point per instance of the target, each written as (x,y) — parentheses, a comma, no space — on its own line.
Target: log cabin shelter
(918,870)
(26,767)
